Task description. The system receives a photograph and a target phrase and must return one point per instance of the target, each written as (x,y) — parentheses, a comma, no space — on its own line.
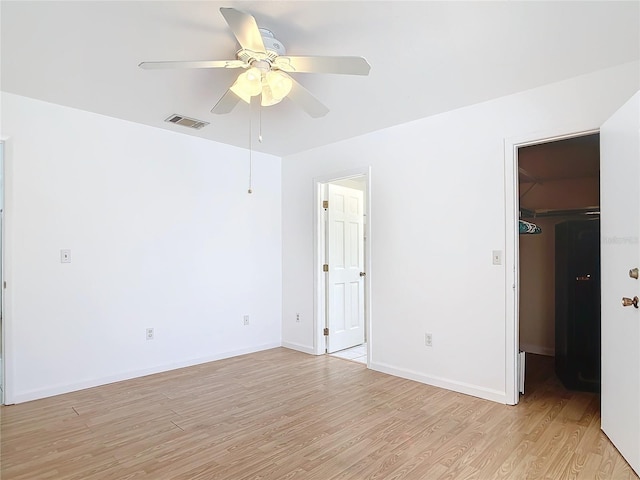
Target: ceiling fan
(267,68)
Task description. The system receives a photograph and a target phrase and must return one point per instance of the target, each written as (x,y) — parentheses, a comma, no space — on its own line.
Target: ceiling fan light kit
(248,84)
(266,67)
(273,85)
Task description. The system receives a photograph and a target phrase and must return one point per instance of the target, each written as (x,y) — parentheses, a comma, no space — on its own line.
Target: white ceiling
(426,57)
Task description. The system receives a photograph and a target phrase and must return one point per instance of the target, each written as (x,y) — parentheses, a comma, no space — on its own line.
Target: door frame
(5,265)
(512,247)
(319,298)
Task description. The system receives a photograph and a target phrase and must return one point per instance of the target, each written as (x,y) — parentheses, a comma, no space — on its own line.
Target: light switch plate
(497,257)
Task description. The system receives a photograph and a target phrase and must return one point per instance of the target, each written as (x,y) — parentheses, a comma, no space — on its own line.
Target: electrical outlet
(246,319)
(149,333)
(65,256)
(428,340)
(297,318)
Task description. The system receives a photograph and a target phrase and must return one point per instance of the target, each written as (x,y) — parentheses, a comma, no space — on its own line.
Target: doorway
(558,192)
(342,265)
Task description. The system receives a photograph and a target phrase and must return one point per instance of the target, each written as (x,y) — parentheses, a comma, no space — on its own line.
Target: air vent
(186,121)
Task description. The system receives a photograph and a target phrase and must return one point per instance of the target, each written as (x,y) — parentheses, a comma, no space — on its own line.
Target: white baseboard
(460,387)
(537,349)
(300,348)
(73,387)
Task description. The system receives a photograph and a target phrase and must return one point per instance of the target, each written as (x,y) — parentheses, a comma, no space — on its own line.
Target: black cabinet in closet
(577,286)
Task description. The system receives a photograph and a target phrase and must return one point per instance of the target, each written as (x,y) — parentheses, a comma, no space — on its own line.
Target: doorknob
(633,273)
(627,302)
(362,274)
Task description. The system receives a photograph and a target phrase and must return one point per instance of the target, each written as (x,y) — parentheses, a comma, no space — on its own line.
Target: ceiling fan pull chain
(250,190)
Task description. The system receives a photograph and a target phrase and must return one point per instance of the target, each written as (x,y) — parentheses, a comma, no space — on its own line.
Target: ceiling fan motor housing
(271,42)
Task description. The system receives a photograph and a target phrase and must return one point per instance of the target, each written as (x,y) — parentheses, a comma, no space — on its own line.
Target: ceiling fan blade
(342,65)
(226,103)
(310,104)
(197,64)
(245,28)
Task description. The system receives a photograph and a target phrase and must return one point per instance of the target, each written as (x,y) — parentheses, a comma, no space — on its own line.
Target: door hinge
(4,284)
(326,332)
(325,267)
(325,204)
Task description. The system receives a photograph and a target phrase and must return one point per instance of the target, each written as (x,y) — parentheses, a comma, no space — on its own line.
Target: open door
(2,335)
(345,279)
(620,230)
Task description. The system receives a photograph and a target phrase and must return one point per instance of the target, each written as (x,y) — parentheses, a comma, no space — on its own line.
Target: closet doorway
(559,192)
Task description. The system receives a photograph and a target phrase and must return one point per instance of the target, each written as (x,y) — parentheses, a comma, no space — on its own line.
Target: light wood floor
(281,414)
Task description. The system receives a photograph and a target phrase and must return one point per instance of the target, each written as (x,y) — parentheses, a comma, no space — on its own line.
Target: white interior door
(345,254)
(620,227)
(2,354)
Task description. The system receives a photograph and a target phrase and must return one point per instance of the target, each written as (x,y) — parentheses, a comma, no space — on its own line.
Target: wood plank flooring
(281,414)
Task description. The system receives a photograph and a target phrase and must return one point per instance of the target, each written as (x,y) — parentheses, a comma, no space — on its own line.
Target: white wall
(431,260)
(162,234)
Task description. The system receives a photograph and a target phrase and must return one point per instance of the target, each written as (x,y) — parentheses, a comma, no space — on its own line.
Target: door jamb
(6,265)
(319,307)
(512,249)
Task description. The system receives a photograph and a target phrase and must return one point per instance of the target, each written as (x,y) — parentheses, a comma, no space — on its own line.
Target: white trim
(72,387)
(460,387)
(512,253)
(2,259)
(522,358)
(7,264)
(299,347)
(318,252)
